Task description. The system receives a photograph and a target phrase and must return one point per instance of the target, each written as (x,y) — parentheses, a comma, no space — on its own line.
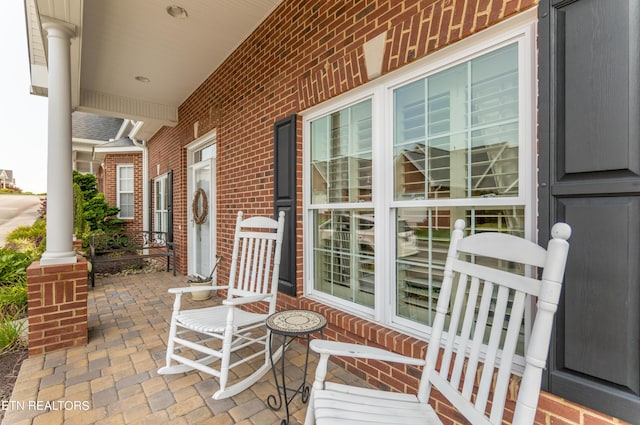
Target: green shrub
(100,216)
(10,333)
(79,222)
(37,230)
(13,299)
(13,266)
(97,215)
(28,239)
(23,245)
(87,184)
(5,190)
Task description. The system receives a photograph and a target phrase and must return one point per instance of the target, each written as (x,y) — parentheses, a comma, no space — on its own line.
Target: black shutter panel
(170,206)
(589,176)
(285,198)
(149,222)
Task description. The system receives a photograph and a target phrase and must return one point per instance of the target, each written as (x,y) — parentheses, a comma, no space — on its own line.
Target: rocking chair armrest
(187,289)
(245,300)
(335,348)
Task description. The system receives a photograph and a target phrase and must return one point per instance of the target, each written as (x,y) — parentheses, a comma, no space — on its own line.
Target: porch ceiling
(119,40)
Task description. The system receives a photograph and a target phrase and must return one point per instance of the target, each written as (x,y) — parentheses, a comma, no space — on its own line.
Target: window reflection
(456,132)
(344,254)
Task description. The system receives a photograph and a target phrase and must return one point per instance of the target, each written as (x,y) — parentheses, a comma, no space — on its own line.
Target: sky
(23,117)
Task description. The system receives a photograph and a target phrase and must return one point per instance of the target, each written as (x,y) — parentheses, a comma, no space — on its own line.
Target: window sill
(346,327)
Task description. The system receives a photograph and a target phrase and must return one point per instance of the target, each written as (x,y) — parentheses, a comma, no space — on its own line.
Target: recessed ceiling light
(143,79)
(177,12)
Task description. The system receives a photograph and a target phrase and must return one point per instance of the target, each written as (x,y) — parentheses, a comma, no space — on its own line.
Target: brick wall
(57,306)
(110,186)
(305,53)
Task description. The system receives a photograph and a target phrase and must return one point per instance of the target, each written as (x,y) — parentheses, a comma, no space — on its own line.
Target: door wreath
(200,216)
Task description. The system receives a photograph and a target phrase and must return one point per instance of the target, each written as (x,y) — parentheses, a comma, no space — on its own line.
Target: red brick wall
(110,187)
(166,154)
(57,306)
(303,54)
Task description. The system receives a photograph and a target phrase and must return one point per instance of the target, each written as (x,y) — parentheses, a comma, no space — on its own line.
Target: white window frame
(520,29)
(163,224)
(120,191)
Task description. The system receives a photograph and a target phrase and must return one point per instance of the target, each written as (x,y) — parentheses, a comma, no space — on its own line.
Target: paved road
(17,210)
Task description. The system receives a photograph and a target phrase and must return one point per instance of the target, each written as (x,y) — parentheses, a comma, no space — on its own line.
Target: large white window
(161,204)
(125,191)
(341,198)
(390,168)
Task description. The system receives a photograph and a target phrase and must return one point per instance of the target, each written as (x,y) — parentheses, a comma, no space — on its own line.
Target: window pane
(158,222)
(341,168)
(126,205)
(126,178)
(126,172)
(422,241)
(205,153)
(161,204)
(494,161)
(456,132)
(125,191)
(344,249)
(158,193)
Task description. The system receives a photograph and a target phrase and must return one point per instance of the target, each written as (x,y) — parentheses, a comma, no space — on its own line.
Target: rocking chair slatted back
(254,273)
(474,342)
(483,307)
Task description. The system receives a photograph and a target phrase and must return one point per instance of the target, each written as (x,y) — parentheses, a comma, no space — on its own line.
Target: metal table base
(291,324)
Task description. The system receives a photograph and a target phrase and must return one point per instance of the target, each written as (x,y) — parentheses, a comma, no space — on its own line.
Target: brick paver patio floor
(114,379)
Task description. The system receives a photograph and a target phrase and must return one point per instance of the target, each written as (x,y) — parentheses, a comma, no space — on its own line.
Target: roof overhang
(121,146)
(133,59)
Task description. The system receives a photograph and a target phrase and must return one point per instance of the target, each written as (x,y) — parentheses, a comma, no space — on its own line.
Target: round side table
(291,324)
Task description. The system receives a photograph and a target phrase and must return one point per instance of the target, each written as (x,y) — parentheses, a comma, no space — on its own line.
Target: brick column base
(57,306)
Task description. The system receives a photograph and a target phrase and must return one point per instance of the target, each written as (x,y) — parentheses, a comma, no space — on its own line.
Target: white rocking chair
(483,306)
(214,334)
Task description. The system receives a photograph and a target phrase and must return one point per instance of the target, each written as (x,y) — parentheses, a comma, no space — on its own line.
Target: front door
(201,217)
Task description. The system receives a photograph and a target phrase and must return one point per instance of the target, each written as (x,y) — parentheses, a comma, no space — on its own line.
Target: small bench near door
(127,247)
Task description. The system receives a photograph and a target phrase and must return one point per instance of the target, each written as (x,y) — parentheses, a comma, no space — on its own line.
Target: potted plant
(204,281)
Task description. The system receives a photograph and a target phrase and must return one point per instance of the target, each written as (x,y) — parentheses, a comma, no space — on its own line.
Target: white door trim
(192,148)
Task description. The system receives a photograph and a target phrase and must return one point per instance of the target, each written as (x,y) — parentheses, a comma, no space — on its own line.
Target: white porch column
(59,164)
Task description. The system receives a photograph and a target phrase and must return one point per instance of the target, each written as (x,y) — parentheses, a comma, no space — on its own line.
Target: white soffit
(119,40)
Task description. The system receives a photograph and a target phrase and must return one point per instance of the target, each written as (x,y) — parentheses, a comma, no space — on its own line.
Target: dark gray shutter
(285,198)
(589,128)
(151,192)
(170,206)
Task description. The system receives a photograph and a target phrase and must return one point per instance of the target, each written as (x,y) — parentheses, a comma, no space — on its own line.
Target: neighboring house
(102,146)
(121,177)
(385,121)
(91,130)
(6,179)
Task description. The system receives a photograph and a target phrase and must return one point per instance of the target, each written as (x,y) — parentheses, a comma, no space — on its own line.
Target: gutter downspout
(145,173)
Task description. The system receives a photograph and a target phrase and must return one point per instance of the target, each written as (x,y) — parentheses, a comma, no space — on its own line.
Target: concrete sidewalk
(15,211)
(114,380)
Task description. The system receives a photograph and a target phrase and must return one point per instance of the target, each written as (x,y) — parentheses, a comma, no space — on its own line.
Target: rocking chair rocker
(481,304)
(199,338)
